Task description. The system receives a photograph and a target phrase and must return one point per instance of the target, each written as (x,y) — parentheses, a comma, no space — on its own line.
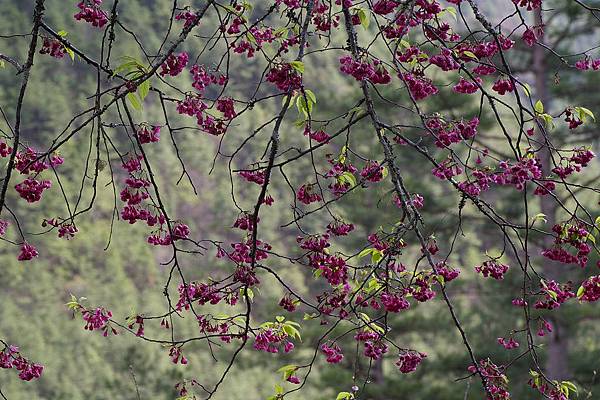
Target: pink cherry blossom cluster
(554,294)
(591,289)
(339,167)
(11,358)
(339,228)
(492,268)
(375,72)
(496,379)
(509,343)
(284,77)
(52,47)
(29,162)
(90,12)
(374,346)
(319,136)
(448,133)
(98,319)
(174,64)
(573,235)
(372,171)
(271,341)
(306,194)
(408,361)
(148,134)
(332,352)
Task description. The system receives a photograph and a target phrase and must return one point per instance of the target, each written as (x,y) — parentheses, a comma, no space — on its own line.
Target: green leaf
(548,120)
(232,9)
(527,90)
(376,256)
(539,217)
(70,52)
(291,331)
(539,107)
(584,113)
(570,385)
(452,11)
(124,67)
(440,279)
(365,252)
(311,96)
(283,32)
(373,285)
(470,54)
(251,38)
(303,107)
(248,6)
(291,103)
(144,89)
(347,177)
(384,172)
(134,101)
(74,304)
(364,18)
(288,370)
(62,33)
(365,317)
(298,66)
(248,292)
(580,292)
(344,396)
(134,67)
(2,64)
(377,328)
(591,238)
(310,316)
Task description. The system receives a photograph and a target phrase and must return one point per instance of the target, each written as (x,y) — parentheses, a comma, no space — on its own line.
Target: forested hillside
(110,263)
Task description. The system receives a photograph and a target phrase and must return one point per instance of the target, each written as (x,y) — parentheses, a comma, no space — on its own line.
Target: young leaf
(365,252)
(539,107)
(134,101)
(470,54)
(452,12)
(539,217)
(376,256)
(144,89)
(71,53)
(364,18)
(347,177)
(311,96)
(298,66)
